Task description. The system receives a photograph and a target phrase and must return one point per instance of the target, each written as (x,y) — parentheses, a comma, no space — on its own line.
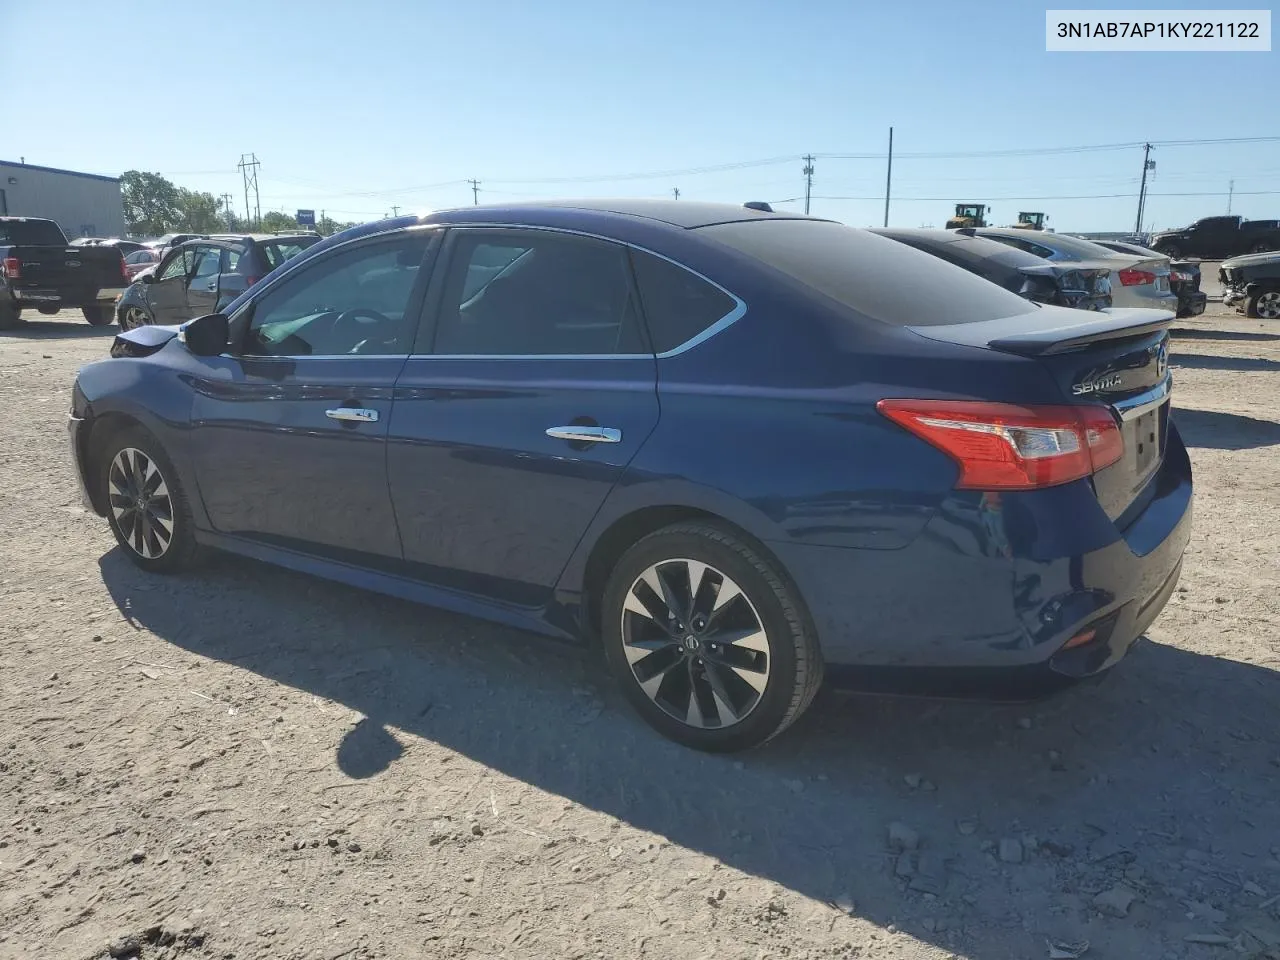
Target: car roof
(684,214)
(974,247)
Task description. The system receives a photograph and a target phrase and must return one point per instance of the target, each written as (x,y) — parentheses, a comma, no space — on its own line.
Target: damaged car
(1253,284)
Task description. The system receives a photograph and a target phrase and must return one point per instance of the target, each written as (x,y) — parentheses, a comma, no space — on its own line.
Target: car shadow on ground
(1198,333)
(1204,361)
(1167,754)
(33,329)
(1213,430)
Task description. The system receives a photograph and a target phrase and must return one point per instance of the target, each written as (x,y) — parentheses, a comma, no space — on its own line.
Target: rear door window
(874,276)
(679,305)
(537,293)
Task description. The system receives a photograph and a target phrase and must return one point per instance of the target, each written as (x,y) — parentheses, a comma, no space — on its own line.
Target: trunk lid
(66,270)
(1116,357)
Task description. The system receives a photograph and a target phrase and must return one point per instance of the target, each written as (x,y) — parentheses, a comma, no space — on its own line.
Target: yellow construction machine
(968,215)
(1030,221)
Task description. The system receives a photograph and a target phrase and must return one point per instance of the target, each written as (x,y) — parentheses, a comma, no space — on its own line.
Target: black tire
(1263,304)
(145,544)
(792,665)
(98,315)
(10,317)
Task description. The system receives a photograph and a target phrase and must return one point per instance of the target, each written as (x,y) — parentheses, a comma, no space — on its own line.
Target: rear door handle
(586,434)
(352,414)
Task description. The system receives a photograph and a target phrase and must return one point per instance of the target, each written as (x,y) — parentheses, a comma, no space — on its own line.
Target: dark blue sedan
(742,449)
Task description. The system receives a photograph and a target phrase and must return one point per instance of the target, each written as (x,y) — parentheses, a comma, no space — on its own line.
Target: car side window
(537,293)
(179,266)
(233,258)
(678,304)
(353,302)
(208,262)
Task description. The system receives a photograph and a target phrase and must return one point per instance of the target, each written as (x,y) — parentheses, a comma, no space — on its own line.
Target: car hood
(1252,260)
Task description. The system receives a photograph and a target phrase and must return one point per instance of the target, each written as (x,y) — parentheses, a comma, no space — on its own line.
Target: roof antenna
(758,205)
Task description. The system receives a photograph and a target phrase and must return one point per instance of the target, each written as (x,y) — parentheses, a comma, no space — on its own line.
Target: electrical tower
(675,192)
(475,192)
(808,180)
(226,205)
(249,171)
(1231,193)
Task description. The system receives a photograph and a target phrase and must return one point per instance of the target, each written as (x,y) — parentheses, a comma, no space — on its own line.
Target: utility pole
(1147,164)
(475,192)
(888,179)
(249,171)
(395,211)
(1231,192)
(226,205)
(808,180)
(675,192)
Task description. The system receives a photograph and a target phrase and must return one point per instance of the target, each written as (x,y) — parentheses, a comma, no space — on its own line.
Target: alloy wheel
(140,503)
(134,317)
(1268,305)
(695,643)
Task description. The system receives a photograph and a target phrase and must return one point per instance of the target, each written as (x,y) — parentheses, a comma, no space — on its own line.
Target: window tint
(875,276)
(678,304)
(278,253)
(536,293)
(354,302)
(179,266)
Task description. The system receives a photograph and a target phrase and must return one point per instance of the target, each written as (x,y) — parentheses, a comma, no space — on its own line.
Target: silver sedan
(1136,280)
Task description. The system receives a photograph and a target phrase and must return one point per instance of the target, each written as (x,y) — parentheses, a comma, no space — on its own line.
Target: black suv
(202,276)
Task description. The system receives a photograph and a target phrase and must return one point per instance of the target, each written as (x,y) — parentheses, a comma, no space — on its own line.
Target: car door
(529,391)
(202,288)
(289,428)
(167,293)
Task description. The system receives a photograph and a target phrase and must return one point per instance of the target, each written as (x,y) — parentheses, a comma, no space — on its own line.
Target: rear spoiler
(1051,330)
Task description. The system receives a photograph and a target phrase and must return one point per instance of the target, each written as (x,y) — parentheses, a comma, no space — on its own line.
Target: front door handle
(352,414)
(586,434)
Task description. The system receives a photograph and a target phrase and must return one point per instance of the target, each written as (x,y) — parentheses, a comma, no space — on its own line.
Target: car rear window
(35,233)
(282,250)
(878,277)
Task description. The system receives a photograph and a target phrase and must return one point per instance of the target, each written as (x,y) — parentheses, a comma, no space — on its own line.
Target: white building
(83,204)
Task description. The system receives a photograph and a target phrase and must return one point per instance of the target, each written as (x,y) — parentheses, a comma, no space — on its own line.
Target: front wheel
(133,317)
(98,315)
(146,505)
(10,316)
(708,638)
(1264,305)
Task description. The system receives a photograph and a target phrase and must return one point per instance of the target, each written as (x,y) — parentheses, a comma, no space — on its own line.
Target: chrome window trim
(728,320)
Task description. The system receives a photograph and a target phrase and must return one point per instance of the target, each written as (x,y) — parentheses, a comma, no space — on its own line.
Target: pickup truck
(40,269)
(1217,238)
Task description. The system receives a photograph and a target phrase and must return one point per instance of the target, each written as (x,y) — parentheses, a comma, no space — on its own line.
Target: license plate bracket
(1146,442)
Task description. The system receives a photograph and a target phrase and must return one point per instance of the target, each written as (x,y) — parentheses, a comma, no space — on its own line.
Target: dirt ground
(250,763)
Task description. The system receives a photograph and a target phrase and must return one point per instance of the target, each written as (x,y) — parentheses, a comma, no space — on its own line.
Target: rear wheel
(146,505)
(708,638)
(98,315)
(10,316)
(1264,305)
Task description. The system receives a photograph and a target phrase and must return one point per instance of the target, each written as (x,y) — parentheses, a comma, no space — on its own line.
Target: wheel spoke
(723,701)
(637,650)
(752,638)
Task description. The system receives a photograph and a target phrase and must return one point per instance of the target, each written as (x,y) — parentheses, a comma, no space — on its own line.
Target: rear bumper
(76,426)
(1122,296)
(982,603)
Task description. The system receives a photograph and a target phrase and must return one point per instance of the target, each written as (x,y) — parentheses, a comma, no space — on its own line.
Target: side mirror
(206,336)
(148,277)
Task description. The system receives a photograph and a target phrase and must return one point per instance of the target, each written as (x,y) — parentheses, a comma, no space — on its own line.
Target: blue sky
(354,107)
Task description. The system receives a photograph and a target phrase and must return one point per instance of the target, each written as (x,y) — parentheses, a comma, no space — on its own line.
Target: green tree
(150,203)
(199,212)
(275,221)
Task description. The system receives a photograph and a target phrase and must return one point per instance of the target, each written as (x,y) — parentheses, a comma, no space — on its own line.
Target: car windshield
(875,276)
(32,232)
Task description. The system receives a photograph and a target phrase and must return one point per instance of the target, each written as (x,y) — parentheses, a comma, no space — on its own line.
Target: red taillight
(1134,278)
(12,267)
(124,270)
(1002,446)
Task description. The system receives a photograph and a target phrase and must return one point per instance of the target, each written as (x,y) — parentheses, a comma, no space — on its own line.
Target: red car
(140,260)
